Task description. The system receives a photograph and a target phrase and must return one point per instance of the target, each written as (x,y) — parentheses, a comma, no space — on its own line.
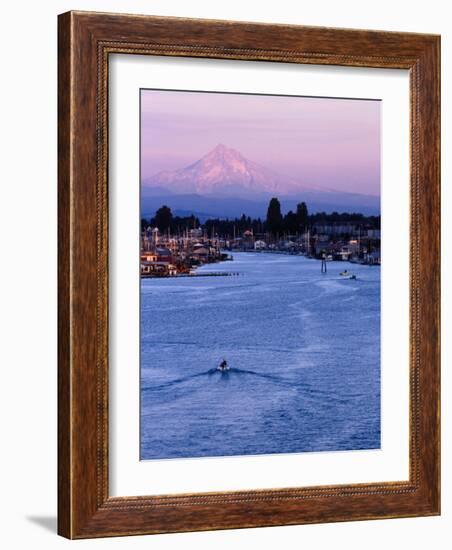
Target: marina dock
(195,274)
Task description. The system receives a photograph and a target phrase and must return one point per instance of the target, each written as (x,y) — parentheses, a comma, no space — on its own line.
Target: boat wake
(234,372)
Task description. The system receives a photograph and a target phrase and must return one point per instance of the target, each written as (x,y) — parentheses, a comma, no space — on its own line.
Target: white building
(260,245)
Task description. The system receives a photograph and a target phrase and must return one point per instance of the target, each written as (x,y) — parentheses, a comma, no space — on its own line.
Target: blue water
(304,352)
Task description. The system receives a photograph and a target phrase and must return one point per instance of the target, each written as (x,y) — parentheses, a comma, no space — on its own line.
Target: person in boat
(223,365)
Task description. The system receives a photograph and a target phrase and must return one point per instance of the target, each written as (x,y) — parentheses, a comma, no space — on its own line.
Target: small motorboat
(223,366)
(344,273)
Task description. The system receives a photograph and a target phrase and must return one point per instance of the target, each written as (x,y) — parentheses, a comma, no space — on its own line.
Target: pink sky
(333,143)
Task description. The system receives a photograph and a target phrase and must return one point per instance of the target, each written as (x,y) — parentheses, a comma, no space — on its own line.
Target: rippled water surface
(304,352)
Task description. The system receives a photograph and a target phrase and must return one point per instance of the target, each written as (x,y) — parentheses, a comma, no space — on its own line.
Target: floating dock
(202,274)
(210,274)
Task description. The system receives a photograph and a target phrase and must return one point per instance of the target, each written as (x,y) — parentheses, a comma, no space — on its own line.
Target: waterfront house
(373,258)
(164,254)
(353,245)
(196,233)
(148,256)
(158,269)
(343,254)
(200,252)
(335,229)
(260,245)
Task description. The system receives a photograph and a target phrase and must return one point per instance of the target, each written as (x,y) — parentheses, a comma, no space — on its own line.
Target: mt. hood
(225,172)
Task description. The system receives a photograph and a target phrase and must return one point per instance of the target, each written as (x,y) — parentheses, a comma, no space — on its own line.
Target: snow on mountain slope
(225,171)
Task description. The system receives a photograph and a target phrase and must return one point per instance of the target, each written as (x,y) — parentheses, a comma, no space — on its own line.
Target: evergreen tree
(302,216)
(274,216)
(291,223)
(163,218)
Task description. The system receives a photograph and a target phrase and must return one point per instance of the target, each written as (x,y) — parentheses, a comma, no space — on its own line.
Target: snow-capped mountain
(225,171)
(224,183)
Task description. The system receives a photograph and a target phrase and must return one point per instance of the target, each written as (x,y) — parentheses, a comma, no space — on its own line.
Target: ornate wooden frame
(85,42)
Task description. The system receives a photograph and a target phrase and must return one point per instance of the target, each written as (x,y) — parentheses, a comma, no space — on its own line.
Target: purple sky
(333,143)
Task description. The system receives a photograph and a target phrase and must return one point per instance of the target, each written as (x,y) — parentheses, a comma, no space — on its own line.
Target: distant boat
(223,366)
(347,274)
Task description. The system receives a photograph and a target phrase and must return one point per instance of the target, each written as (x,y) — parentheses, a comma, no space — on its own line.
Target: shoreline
(197,273)
(284,253)
(193,275)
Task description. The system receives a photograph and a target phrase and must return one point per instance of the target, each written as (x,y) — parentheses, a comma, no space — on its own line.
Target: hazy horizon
(320,142)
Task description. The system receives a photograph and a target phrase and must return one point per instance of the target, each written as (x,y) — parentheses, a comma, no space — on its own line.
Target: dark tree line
(373,222)
(275,223)
(237,226)
(165,221)
(292,222)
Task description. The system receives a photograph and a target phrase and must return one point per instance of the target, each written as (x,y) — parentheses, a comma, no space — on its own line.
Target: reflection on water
(303,350)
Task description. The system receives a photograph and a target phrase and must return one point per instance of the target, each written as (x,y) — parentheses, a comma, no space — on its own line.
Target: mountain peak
(224,171)
(223,152)
(220,148)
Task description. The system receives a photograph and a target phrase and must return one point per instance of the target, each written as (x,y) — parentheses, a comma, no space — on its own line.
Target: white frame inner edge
(128,475)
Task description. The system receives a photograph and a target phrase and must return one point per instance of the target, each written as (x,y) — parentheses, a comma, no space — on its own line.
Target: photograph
(224,232)
(260,259)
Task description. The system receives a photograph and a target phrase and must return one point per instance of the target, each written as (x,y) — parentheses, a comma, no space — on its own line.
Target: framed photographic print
(248,275)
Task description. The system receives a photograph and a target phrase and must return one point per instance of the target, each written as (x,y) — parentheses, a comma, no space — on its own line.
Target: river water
(303,349)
